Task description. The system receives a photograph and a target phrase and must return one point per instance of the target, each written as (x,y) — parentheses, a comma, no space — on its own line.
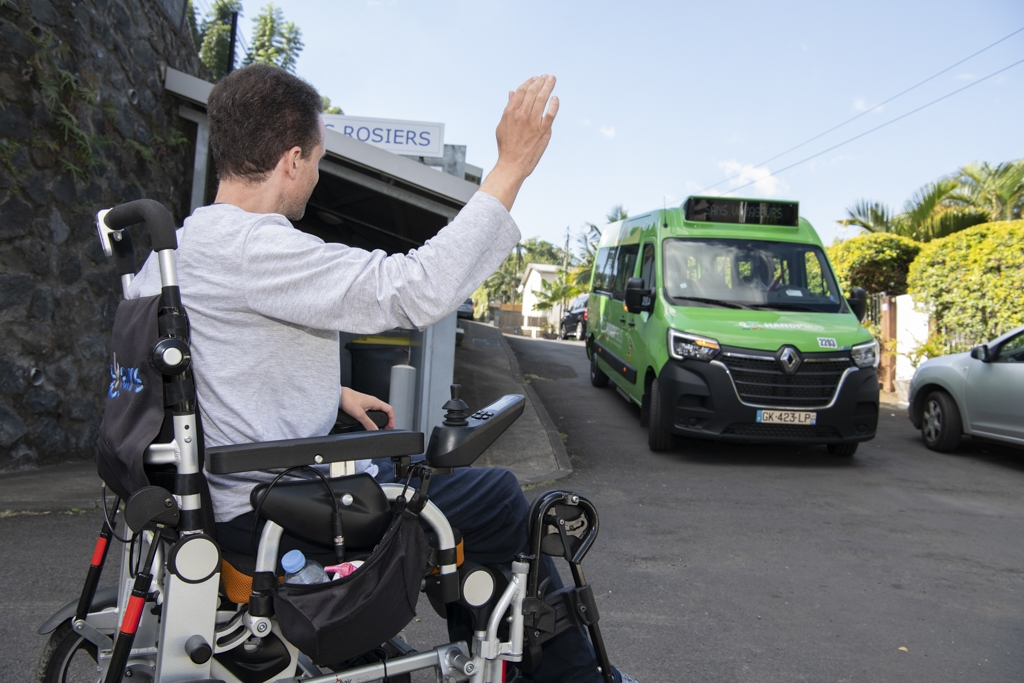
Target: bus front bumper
(700,400)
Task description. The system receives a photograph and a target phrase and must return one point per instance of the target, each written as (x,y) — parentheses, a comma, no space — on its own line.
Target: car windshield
(756,274)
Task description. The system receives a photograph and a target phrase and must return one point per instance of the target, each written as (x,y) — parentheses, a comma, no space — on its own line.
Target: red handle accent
(97,555)
(133,614)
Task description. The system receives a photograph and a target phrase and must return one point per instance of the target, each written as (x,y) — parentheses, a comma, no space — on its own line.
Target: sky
(663,100)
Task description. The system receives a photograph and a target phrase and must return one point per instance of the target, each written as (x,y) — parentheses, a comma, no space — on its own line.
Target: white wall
(911,332)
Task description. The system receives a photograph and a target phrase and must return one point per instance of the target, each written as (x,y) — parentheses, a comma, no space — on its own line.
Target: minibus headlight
(691,347)
(865,355)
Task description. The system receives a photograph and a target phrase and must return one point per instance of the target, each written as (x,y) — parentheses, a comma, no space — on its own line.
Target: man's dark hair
(257,114)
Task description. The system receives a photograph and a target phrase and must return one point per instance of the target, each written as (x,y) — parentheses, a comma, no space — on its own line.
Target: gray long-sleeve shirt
(266,303)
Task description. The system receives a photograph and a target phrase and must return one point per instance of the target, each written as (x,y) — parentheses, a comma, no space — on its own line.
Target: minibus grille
(761,381)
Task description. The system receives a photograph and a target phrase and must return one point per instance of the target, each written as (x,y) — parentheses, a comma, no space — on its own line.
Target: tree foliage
(557,292)
(329,108)
(214,36)
(503,284)
(975,194)
(617,213)
(878,262)
(998,191)
(274,40)
(588,240)
(972,281)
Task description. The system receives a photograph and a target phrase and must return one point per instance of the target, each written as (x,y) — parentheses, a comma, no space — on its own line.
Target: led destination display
(721,210)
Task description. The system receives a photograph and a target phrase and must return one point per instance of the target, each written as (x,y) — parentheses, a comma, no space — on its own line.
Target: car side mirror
(981,353)
(858,301)
(636,295)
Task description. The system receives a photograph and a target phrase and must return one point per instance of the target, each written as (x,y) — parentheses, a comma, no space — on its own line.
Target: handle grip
(124,253)
(156,217)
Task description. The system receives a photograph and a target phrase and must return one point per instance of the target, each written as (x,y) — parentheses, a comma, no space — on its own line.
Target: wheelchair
(184,609)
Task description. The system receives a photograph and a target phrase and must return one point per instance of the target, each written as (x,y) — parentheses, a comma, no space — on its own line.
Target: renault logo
(789,360)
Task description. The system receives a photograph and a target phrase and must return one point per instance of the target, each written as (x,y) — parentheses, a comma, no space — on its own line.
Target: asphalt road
(721,563)
(754,563)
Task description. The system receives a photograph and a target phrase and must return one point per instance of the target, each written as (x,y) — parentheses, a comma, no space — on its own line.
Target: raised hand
(523,134)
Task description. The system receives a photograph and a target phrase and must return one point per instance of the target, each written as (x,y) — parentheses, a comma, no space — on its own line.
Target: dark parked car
(574,322)
(465,309)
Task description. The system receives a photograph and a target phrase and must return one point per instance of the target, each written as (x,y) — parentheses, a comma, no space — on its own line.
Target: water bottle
(300,570)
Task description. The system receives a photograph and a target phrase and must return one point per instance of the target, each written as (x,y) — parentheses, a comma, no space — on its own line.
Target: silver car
(980,393)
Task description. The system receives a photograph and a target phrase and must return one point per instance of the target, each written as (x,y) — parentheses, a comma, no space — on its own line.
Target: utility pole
(565,267)
(231,47)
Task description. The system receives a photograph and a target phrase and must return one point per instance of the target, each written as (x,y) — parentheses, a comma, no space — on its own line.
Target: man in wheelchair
(264,304)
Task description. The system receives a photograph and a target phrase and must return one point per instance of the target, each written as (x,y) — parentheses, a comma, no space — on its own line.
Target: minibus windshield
(757,274)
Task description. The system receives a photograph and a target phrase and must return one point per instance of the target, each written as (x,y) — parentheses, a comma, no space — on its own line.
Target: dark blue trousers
(489,508)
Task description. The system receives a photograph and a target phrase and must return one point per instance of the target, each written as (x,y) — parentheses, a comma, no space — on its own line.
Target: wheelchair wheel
(67,658)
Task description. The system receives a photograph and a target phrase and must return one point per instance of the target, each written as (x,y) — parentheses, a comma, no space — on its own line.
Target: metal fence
(955,341)
(874,310)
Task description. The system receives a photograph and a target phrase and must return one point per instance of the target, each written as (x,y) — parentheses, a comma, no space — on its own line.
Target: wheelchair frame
(164,620)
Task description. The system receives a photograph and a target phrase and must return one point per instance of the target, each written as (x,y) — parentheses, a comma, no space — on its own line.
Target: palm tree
(871,216)
(588,241)
(930,213)
(555,292)
(617,213)
(504,281)
(998,191)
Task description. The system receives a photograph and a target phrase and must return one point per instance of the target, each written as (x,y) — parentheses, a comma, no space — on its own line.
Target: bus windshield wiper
(713,302)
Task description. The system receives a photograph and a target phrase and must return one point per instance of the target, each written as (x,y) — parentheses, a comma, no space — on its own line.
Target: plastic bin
(372,360)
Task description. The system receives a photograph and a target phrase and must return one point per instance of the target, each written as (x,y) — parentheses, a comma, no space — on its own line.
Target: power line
(856,137)
(868,111)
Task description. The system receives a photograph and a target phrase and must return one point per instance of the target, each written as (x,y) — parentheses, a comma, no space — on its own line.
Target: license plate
(786,417)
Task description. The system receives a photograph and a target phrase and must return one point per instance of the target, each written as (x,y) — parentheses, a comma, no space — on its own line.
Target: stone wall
(84,124)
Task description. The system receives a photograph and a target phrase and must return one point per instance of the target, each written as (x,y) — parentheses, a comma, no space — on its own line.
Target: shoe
(626,678)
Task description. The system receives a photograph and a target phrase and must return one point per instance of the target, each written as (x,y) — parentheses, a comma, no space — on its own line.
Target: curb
(564,468)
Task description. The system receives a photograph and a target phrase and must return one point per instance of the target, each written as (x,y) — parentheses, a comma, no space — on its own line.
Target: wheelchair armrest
(293,452)
(346,423)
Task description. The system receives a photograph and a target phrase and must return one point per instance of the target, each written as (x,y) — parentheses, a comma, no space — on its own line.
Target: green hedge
(973,280)
(876,261)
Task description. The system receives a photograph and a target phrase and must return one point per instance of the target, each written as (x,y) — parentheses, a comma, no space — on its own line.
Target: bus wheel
(597,376)
(844,450)
(658,437)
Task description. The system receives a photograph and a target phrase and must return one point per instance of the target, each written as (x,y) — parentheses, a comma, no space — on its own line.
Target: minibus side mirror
(635,295)
(982,353)
(858,301)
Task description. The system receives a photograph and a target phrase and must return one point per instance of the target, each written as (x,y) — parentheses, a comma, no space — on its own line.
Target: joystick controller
(455,409)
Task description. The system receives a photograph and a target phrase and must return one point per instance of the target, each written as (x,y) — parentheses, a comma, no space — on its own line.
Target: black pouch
(336,621)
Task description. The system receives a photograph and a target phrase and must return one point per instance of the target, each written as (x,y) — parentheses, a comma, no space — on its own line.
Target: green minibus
(723,320)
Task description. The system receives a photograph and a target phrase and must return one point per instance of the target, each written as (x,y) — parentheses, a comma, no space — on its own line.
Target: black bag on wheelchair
(134,412)
(336,621)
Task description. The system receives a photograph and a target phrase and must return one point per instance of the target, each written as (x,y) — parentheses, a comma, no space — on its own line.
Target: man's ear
(289,162)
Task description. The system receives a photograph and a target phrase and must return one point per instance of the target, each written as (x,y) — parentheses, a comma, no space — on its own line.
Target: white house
(531,281)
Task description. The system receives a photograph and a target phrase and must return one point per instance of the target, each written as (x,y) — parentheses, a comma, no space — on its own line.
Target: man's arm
(523,134)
